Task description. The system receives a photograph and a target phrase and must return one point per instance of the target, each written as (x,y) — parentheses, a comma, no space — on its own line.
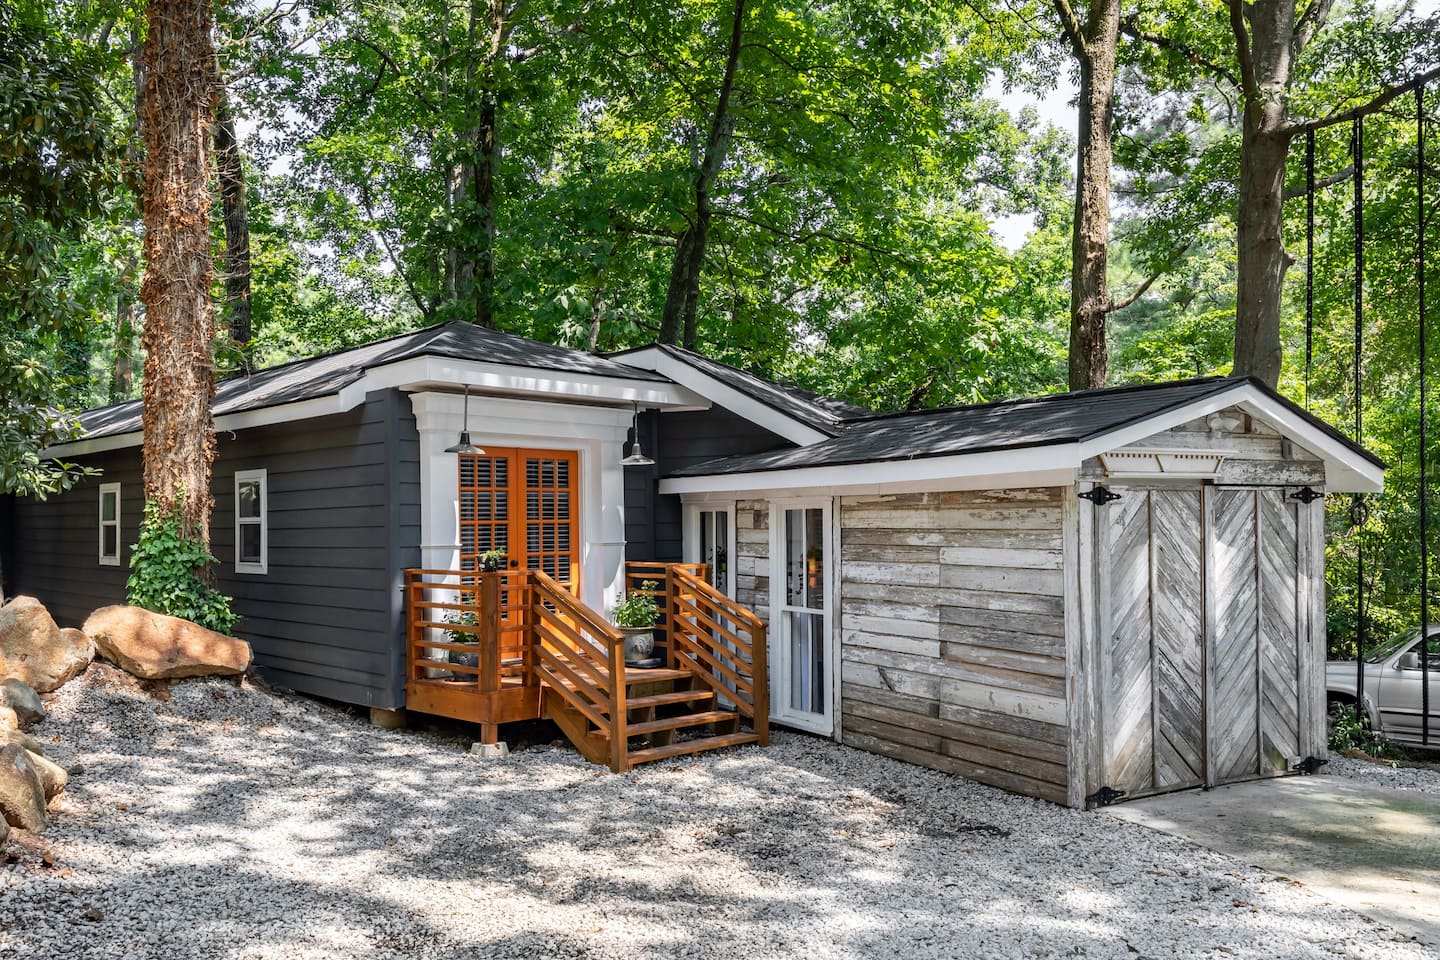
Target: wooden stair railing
(722,644)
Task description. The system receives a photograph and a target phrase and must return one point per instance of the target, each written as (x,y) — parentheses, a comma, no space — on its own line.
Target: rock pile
(37,657)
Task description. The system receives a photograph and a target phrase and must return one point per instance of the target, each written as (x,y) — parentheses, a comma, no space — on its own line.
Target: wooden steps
(653,717)
(698,745)
(708,718)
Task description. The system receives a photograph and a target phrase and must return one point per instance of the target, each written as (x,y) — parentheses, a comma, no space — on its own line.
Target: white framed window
(110,524)
(252,525)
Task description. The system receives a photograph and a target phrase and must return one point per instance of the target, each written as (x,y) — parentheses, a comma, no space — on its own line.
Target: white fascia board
(333,403)
(1345,470)
(735,401)
(1030,466)
(426,372)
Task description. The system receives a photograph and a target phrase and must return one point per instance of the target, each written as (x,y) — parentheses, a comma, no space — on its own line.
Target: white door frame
(691,537)
(824,724)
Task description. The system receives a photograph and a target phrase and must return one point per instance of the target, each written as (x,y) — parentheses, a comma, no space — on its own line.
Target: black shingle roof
(824,414)
(330,373)
(1010,424)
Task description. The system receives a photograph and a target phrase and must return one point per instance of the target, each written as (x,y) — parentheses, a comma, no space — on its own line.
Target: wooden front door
(525,502)
(1204,636)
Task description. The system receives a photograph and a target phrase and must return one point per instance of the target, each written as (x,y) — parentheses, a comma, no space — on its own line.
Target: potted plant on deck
(636,616)
(491,561)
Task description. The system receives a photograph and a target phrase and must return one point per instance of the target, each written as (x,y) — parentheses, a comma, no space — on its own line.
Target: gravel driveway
(227,822)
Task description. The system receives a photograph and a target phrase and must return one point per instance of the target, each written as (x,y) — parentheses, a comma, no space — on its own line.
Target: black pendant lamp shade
(637,456)
(464,446)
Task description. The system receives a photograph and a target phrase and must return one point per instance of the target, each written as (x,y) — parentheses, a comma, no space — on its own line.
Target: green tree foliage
(60,168)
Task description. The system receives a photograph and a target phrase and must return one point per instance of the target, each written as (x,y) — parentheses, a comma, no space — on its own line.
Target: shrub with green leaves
(167,575)
(637,610)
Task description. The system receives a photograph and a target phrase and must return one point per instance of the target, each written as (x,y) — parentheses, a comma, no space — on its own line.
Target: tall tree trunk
(1262,261)
(1265,52)
(683,295)
(177,111)
(1095,44)
(230,171)
(487,159)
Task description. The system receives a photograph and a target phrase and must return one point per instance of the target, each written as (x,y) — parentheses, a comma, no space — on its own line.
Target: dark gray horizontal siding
(343,520)
(653,523)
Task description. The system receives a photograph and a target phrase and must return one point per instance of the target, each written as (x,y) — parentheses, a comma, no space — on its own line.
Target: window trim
(249,476)
(102,523)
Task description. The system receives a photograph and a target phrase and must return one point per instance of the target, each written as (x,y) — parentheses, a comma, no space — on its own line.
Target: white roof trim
(327,405)
(1044,466)
(1345,471)
(423,372)
(741,404)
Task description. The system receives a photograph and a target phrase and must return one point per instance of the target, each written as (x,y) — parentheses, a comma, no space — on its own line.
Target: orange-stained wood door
(527,503)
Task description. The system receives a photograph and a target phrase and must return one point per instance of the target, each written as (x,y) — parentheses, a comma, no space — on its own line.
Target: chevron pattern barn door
(1202,629)
(1151,557)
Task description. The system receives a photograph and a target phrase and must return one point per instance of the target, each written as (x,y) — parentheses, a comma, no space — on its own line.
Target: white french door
(802,651)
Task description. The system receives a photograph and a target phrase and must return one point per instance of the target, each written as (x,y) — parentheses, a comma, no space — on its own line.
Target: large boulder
(21,698)
(52,776)
(35,651)
(153,646)
(22,794)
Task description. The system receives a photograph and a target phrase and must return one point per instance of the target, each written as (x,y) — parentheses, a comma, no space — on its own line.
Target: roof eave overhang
(429,372)
(1346,471)
(1030,467)
(736,401)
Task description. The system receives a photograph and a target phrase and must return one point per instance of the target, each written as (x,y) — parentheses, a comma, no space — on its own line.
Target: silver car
(1393,687)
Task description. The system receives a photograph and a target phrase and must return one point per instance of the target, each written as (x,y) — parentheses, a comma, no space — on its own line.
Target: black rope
(1424,449)
(1358,511)
(1309,259)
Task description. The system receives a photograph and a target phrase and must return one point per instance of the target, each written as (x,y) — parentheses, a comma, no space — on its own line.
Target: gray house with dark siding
(1118,588)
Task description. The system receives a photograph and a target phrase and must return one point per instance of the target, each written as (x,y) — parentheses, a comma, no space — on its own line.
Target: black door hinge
(1307,495)
(1309,766)
(1099,495)
(1105,796)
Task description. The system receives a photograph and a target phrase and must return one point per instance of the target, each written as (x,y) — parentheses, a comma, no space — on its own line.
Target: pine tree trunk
(230,171)
(1090,239)
(177,110)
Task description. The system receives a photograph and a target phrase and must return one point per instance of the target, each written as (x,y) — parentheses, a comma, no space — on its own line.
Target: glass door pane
(804,685)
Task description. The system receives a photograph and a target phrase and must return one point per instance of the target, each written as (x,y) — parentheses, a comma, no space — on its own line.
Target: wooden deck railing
(493,608)
(722,643)
(581,657)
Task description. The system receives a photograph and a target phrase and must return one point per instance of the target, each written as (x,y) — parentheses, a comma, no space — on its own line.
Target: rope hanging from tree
(1424,448)
(1359,512)
(1309,258)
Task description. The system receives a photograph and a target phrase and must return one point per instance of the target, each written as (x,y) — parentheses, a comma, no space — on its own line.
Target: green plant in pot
(636,616)
(490,561)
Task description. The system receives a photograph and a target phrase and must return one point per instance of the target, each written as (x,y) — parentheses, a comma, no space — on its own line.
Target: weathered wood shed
(1117,589)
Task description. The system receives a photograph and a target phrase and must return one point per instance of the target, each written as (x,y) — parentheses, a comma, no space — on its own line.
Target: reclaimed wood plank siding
(952,634)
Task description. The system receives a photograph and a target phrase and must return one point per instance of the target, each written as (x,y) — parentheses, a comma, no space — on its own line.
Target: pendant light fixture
(464,446)
(637,456)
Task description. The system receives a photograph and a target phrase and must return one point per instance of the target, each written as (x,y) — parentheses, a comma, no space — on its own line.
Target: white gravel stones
(1403,777)
(228,822)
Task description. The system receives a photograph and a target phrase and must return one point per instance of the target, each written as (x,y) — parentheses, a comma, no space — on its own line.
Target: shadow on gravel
(228,823)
